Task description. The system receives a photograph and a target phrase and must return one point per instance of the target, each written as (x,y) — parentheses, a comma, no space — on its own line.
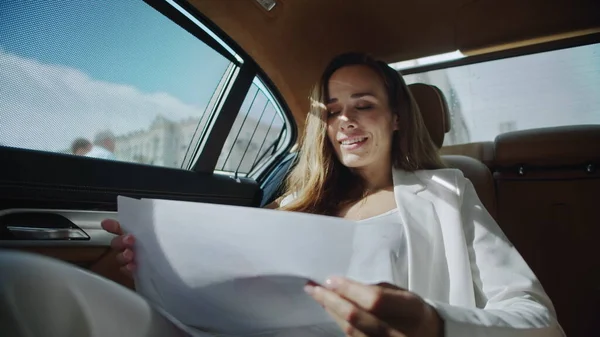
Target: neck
(377,176)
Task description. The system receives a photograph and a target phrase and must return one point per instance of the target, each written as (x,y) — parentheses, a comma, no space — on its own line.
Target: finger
(112,226)
(122,242)
(389,286)
(368,297)
(128,269)
(125,257)
(357,321)
(346,328)
(384,301)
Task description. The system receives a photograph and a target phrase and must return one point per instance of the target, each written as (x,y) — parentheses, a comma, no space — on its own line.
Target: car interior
(533,155)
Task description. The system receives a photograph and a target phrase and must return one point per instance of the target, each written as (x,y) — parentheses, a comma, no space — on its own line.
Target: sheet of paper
(234,270)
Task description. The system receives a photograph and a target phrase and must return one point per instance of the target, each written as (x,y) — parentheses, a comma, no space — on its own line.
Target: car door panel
(84,191)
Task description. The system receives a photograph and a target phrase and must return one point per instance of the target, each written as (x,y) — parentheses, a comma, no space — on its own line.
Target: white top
(380,253)
(100,152)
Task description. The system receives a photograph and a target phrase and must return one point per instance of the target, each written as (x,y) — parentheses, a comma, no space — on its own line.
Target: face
(109,144)
(360,123)
(81,151)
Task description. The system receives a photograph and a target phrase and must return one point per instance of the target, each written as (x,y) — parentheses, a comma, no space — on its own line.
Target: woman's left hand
(376,310)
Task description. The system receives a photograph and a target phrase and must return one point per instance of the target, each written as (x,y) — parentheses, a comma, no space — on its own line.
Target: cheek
(331,133)
(382,129)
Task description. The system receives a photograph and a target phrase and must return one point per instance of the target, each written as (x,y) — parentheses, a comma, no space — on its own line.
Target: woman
(429,259)
(367,156)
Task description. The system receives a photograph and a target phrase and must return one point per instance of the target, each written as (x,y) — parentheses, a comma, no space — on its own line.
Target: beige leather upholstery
(436,115)
(548,195)
(481,177)
(435,112)
(482,151)
(564,145)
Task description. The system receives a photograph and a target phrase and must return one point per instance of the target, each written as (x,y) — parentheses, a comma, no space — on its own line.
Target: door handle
(41,233)
(39,226)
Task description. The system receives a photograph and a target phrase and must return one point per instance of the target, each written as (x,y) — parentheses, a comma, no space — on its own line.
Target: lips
(352,141)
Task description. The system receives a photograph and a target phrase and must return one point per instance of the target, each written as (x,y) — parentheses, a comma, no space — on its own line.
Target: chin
(353,161)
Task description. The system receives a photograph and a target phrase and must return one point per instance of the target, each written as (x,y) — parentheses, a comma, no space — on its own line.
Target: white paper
(235,270)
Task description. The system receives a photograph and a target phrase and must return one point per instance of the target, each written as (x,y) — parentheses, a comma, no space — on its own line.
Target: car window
(258,133)
(106,79)
(555,88)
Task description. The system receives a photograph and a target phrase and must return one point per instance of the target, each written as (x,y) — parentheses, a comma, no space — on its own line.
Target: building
(167,143)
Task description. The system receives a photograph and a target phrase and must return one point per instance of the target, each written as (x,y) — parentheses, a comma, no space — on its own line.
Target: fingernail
(127,254)
(128,239)
(333,282)
(130,266)
(309,289)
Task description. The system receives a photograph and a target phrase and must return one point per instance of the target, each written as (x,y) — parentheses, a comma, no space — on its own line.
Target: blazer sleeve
(511,301)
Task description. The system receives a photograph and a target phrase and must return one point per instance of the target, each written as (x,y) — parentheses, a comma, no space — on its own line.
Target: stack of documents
(235,270)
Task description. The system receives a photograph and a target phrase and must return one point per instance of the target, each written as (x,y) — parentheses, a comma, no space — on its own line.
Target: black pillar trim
(224,119)
(184,22)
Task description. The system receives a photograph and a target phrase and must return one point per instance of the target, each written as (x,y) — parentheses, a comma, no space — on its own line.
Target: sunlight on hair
(446,184)
(317,104)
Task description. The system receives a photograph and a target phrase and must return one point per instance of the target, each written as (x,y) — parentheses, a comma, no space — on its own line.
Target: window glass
(548,89)
(108,79)
(257,134)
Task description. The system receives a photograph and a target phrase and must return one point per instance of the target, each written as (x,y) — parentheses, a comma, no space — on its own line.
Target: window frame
(179,18)
(509,53)
(288,134)
(207,149)
(530,50)
(261,165)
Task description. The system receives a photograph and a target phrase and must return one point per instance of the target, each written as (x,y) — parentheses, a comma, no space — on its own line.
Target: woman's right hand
(123,244)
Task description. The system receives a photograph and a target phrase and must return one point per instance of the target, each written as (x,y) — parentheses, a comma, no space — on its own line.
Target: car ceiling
(293,42)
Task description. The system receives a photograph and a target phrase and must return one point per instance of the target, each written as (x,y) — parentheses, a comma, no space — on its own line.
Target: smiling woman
(362,112)
(450,270)
(427,259)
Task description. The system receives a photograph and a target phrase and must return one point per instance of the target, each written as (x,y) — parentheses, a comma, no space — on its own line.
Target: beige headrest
(434,110)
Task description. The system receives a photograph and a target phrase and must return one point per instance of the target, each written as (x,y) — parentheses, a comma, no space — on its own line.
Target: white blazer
(461,263)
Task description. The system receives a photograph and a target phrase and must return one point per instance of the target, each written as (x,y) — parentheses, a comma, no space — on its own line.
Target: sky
(71,68)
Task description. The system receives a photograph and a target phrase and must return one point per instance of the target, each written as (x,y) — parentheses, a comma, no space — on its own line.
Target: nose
(347,119)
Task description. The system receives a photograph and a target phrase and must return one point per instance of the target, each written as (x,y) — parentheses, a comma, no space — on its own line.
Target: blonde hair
(320,183)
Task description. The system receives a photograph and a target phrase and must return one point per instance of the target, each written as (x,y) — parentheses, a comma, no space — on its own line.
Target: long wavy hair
(320,183)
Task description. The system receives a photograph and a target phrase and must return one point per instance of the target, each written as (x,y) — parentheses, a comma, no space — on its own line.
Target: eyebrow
(356,95)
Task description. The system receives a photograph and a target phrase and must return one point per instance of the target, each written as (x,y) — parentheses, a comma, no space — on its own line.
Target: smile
(353,143)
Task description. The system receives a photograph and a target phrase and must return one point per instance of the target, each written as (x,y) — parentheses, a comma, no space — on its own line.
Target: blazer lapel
(426,256)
